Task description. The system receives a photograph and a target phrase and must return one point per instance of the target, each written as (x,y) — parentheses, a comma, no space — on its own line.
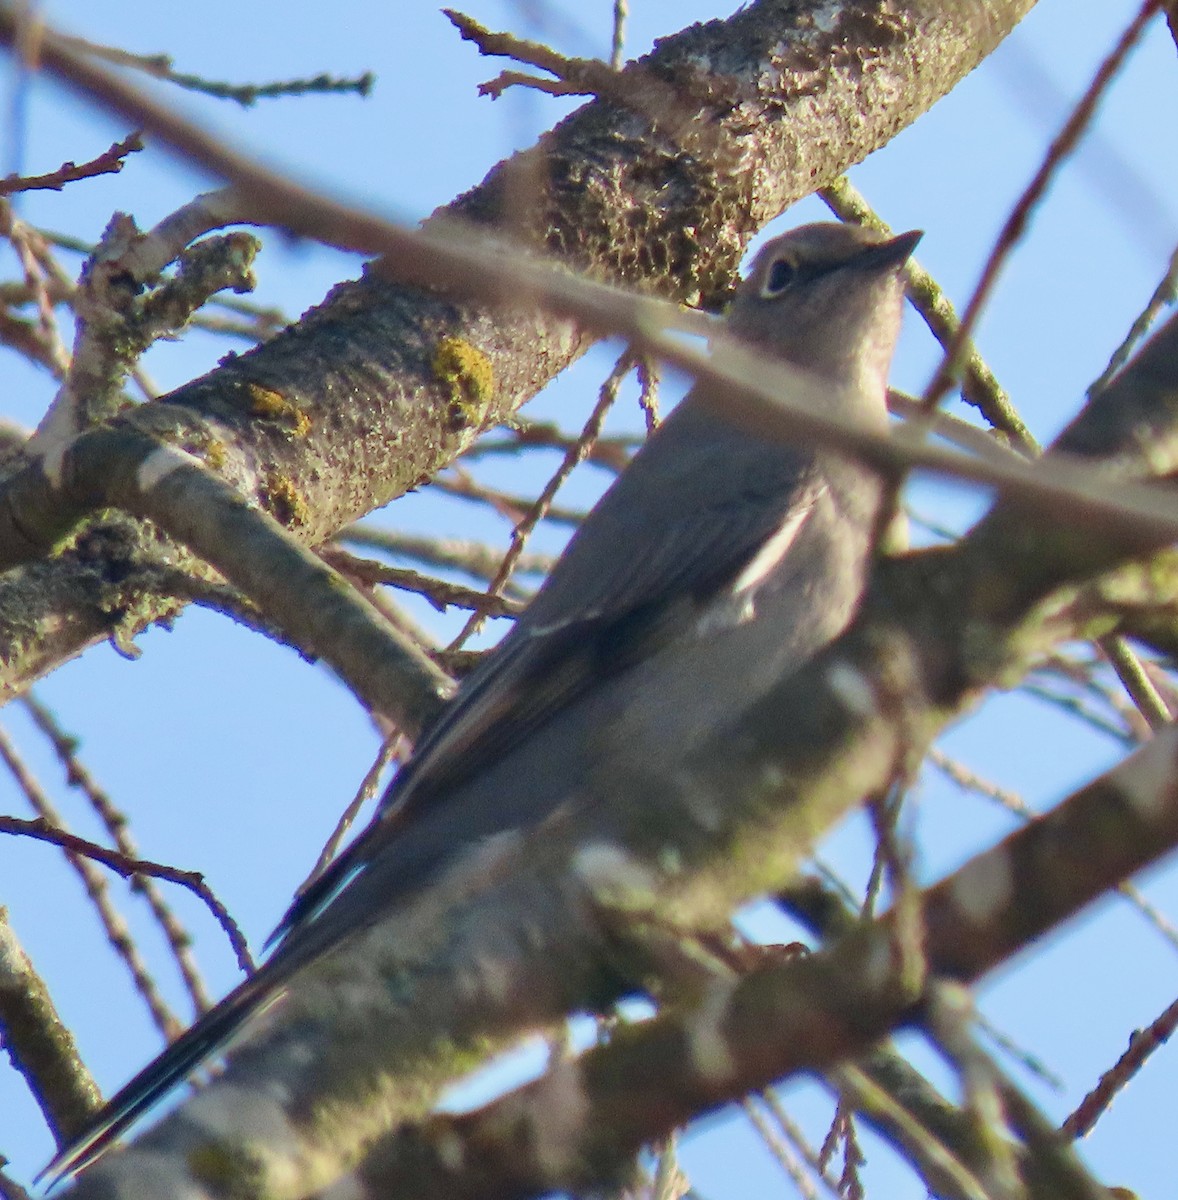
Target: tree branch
(577,1127)
(359,368)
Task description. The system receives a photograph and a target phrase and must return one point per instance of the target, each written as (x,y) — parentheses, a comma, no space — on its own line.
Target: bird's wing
(630,581)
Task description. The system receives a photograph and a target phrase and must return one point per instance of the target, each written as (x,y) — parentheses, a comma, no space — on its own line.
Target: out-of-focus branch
(1012,229)
(574,1128)
(40,1045)
(123,464)
(161,66)
(470,557)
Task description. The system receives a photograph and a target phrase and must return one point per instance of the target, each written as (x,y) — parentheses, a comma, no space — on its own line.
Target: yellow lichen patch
(285,501)
(274,406)
(215,454)
(467,374)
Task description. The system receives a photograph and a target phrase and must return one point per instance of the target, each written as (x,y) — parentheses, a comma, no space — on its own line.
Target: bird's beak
(889,255)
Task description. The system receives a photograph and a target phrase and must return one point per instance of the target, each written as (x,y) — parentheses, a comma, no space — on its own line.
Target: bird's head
(827,298)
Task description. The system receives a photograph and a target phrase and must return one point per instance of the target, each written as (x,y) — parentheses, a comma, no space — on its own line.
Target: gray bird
(717,563)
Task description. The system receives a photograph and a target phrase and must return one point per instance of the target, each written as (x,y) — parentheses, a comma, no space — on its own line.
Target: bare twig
(633,87)
(476,559)
(160,67)
(792,1152)
(980,387)
(439,592)
(49,827)
(77,775)
(618,40)
(39,277)
(612,453)
(573,456)
(43,829)
(1142,1044)
(394,747)
(1141,689)
(464,486)
(1164,294)
(109,162)
(942,1170)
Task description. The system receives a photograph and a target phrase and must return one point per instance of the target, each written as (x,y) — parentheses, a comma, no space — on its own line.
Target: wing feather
(658,548)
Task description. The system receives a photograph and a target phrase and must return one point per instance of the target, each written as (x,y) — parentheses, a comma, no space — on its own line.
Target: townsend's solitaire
(718,562)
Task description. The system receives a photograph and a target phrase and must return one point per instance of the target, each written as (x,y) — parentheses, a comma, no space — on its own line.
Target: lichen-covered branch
(796,97)
(39,1044)
(125,465)
(577,1127)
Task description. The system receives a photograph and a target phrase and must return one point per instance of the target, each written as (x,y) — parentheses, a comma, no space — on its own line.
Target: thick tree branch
(802,99)
(577,1127)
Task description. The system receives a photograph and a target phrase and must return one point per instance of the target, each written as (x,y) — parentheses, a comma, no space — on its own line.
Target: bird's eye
(780,275)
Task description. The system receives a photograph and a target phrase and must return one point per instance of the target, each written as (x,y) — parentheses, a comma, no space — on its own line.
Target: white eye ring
(778,277)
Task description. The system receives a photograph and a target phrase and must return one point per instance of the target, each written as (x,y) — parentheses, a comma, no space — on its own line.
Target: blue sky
(233,757)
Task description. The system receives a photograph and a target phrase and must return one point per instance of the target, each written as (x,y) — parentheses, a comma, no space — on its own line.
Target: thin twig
(439,592)
(464,486)
(43,829)
(48,827)
(1142,1044)
(618,41)
(1075,706)
(476,559)
(77,775)
(613,453)
(633,87)
(1137,683)
(980,387)
(573,456)
(34,256)
(801,1165)
(160,67)
(109,162)
(1089,679)
(1164,294)
(938,1164)
(394,748)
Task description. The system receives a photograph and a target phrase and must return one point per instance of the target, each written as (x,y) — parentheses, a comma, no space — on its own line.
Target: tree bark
(351,406)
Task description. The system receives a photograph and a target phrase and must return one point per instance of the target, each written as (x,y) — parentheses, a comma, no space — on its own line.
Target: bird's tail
(208,1036)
